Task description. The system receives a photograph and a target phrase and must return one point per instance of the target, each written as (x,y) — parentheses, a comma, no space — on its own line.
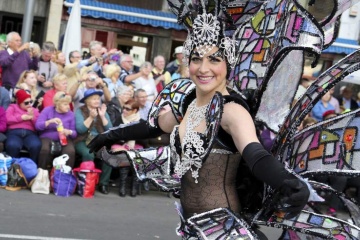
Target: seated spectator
(146,82)
(2,128)
(329,114)
(89,80)
(130,114)
(112,73)
(91,120)
(47,123)
(21,118)
(60,85)
(28,83)
(182,72)
(144,105)
(307,122)
(114,107)
(322,106)
(4,98)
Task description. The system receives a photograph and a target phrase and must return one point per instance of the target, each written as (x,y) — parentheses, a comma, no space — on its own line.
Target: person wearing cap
(49,119)
(88,80)
(91,119)
(174,65)
(21,118)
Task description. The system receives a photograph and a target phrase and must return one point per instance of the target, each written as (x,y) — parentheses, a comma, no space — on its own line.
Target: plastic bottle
(62,136)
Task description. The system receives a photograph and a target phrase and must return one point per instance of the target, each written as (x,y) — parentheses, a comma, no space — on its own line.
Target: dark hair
(134,104)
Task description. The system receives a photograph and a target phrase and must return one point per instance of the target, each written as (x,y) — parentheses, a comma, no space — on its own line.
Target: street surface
(25,215)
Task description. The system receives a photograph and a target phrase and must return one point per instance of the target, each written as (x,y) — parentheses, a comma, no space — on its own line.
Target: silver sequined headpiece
(205,30)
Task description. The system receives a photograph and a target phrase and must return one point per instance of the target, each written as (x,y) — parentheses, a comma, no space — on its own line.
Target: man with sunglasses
(21,118)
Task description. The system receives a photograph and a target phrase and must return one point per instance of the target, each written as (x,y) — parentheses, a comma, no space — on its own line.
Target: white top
(148,85)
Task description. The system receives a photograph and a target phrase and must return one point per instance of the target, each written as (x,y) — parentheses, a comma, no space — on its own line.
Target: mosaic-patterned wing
(172,95)
(303,106)
(154,164)
(328,146)
(221,223)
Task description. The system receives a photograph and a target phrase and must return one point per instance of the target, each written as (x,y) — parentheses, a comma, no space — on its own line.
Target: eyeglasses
(28,102)
(127,109)
(129,61)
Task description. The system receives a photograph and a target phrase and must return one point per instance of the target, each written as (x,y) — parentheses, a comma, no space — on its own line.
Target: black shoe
(104,189)
(146,186)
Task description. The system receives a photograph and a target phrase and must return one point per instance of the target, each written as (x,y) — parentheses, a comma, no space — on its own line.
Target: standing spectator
(127,76)
(94,58)
(146,82)
(304,84)
(174,65)
(346,101)
(89,80)
(15,59)
(91,120)
(114,107)
(160,75)
(2,128)
(112,74)
(144,104)
(322,106)
(47,123)
(60,61)
(21,118)
(60,85)
(4,98)
(182,72)
(47,68)
(71,70)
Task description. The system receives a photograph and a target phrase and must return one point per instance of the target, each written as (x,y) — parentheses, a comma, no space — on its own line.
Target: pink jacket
(14,121)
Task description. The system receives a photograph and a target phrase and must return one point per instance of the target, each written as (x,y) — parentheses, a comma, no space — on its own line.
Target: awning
(95,9)
(342,46)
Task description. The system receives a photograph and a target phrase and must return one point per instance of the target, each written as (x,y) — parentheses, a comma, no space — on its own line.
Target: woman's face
(26,104)
(127,111)
(61,86)
(62,107)
(93,101)
(30,79)
(116,74)
(61,58)
(208,72)
(146,70)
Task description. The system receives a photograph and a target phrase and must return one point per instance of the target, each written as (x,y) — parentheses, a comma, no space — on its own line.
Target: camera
(92,78)
(31,45)
(41,83)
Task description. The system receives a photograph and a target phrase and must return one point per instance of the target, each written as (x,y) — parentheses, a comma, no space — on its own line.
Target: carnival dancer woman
(209,168)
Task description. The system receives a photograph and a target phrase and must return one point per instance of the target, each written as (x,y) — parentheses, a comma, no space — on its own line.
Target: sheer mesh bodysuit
(216,187)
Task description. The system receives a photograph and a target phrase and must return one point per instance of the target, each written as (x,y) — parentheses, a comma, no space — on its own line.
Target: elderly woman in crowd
(114,108)
(49,119)
(146,82)
(2,128)
(21,118)
(112,74)
(60,84)
(91,120)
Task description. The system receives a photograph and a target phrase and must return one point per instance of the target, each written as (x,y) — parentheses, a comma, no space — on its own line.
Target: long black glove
(126,132)
(293,192)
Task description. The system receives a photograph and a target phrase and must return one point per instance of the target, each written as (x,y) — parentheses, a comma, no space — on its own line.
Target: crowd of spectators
(87,96)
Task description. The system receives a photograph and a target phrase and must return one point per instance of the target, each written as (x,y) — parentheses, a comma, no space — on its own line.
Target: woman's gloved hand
(99,141)
(294,195)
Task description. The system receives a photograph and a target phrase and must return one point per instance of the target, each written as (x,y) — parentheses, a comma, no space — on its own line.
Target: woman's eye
(195,59)
(215,59)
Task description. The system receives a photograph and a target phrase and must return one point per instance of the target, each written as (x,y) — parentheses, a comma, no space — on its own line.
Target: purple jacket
(13,65)
(68,120)
(2,120)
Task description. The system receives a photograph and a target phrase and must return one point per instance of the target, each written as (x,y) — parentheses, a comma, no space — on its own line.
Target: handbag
(89,138)
(62,184)
(55,148)
(41,183)
(5,163)
(28,167)
(16,178)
